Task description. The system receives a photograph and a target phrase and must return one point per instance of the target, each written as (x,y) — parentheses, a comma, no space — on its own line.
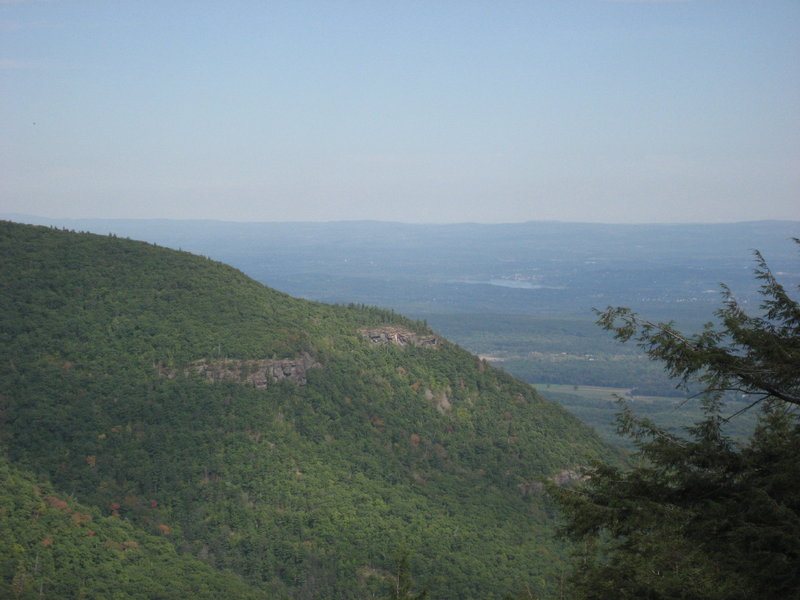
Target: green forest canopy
(305,487)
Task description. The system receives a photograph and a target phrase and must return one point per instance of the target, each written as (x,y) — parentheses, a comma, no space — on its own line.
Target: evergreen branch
(745,409)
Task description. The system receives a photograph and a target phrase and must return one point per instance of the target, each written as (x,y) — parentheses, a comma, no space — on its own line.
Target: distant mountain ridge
(163,392)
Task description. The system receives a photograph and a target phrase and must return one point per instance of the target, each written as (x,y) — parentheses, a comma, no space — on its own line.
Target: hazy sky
(434,111)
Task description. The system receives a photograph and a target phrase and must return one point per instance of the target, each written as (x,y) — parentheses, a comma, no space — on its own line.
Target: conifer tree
(700,515)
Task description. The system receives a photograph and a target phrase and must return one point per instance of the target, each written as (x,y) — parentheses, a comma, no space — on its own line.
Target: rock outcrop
(258,373)
(441,401)
(561,478)
(398,336)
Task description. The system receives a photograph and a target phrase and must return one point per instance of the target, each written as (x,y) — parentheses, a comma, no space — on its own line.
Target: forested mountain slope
(213,421)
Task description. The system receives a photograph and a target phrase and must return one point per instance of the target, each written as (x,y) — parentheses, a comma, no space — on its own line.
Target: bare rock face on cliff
(562,478)
(389,334)
(258,373)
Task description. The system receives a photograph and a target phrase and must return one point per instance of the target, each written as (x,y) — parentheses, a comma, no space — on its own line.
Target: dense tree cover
(303,491)
(701,516)
(53,547)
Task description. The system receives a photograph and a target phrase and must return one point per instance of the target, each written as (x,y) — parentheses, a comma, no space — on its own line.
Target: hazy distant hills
(536,268)
(172,428)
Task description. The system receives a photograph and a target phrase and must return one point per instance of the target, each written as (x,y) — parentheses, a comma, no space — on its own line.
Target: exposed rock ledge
(398,336)
(562,478)
(440,401)
(258,373)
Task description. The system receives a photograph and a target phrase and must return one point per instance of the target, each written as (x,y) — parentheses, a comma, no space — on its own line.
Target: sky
(433,111)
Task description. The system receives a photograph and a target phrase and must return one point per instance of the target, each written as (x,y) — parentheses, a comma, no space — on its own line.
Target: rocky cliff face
(399,337)
(258,373)
(562,478)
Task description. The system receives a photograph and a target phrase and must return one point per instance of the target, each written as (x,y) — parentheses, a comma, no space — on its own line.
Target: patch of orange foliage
(56,502)
(80,518)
